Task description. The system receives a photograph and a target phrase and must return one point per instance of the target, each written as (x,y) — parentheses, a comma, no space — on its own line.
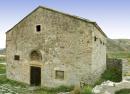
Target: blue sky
(113,16)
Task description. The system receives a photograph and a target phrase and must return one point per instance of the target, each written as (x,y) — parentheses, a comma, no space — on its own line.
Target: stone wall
(98,54)
(126,69)
(114,63)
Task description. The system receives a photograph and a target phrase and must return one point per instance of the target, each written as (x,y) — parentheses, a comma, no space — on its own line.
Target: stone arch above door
(35,55)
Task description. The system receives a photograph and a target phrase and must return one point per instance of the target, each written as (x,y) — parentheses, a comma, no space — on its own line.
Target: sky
(113,16)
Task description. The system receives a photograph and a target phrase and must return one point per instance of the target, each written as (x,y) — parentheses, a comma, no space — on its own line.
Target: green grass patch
(87,90)
(99,81)
(2,59)
(53,90)
(2,69)
(25,87)
(118,55)
(43,92)
(4,80)
(123,91)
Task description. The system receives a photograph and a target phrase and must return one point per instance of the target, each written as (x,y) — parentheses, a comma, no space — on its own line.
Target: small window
(59,75)
(38,28)
(16,57)
(100,41)
(95,38)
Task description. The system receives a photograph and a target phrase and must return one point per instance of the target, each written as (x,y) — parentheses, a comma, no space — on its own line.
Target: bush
(87,90)
(99,81)
(113,75)
(123,91)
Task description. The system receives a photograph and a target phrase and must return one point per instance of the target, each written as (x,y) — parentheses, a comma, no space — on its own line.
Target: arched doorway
(35,72)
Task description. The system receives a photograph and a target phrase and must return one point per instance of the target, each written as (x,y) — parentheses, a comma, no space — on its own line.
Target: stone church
(49,48)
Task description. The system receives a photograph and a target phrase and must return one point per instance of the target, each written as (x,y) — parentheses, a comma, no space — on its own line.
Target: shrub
(112,74)
(87,90)
(99,81)
(123,91)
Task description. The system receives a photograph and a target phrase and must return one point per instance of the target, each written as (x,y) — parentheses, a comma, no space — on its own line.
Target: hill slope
(118,45)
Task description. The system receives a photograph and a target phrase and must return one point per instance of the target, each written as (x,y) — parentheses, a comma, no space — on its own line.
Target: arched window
(36,56)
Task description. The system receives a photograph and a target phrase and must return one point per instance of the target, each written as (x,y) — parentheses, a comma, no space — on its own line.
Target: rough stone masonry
(50,48)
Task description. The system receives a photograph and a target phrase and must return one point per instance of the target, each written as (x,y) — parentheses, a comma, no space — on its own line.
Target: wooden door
(35,76)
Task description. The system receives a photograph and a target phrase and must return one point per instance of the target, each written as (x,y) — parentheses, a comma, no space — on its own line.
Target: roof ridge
(79,17)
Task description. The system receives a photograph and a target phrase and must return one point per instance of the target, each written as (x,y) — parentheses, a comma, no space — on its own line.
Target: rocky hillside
(118,45)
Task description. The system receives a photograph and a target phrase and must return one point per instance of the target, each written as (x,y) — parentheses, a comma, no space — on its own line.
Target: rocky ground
(109,87)
(8,89)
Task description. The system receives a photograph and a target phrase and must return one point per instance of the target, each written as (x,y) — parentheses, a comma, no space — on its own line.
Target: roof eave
(97,26)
